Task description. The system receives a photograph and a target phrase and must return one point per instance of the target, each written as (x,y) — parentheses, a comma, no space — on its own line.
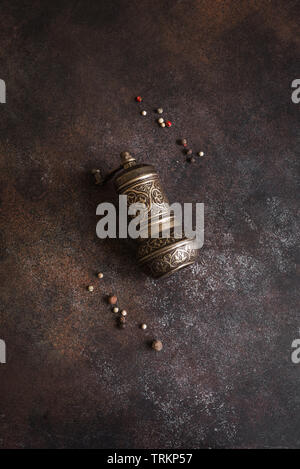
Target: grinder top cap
(132,172)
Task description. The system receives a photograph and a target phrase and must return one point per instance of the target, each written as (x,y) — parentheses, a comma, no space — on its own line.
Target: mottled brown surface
(222,71)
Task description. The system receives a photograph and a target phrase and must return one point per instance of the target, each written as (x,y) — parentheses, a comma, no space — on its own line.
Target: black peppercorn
(122,322)
(191,159)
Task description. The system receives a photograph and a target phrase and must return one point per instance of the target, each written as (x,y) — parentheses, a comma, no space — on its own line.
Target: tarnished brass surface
(135,173)
(172,256)
(159,256)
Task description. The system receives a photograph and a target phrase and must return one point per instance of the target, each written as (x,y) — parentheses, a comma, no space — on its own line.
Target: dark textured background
(222,71)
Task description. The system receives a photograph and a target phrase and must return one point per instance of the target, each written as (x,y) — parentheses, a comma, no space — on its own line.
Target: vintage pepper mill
(159,256)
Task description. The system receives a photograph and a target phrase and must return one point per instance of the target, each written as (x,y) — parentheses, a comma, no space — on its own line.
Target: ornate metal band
(168,261)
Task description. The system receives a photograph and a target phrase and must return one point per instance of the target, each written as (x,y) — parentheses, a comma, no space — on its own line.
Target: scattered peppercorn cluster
(113,301)
(122,315)
(162,123)
(188,151)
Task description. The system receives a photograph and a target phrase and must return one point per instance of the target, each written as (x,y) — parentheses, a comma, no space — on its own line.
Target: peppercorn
(201,153)
(143,326)
(121,325)
(124,312)
(144,113)
(163,125)
(90,288)
(160,110)
(160,120)
(157,345)
(184,142)
(168,123)
(100,275)
(190,159)
(112,299)
(115,309)
(189,151)
(122,322)
(139,99)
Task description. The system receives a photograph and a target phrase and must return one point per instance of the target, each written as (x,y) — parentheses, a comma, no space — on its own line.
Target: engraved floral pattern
(169,261)
(149,193)
(152,244)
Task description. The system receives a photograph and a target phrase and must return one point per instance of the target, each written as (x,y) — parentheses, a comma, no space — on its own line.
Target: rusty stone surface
(222,71)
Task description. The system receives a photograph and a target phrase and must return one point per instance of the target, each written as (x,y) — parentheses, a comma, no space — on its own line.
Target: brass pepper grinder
(159,256)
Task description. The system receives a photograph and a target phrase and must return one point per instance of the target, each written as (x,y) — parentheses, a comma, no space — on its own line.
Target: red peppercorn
(139,99)
(168,123)
(112,299)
